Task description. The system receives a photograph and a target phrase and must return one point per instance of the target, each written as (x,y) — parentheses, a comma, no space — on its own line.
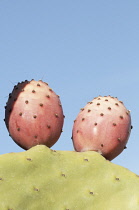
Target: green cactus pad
(44,179)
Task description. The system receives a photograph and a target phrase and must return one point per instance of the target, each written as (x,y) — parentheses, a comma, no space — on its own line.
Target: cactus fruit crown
(34,115)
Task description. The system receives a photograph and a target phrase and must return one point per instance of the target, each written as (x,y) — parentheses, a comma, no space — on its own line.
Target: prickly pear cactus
(103,125)
(34,114)
(44,179)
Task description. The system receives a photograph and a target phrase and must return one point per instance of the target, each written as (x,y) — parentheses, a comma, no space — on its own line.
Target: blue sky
(82,49)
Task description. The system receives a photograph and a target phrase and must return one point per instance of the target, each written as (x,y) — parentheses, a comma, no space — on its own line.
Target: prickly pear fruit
(46,179)
(33,114)
(103,125)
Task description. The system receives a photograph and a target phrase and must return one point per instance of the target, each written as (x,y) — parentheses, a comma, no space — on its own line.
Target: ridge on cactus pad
(34,114)
(103,125)
(45,179)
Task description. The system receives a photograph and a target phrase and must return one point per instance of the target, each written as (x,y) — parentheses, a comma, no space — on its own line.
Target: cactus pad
(45,179)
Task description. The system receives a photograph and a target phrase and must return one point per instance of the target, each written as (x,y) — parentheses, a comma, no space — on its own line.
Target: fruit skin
(41,178)
(103,125)
(33,114)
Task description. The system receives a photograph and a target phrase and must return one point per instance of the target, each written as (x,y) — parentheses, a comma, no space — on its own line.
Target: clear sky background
(82,49)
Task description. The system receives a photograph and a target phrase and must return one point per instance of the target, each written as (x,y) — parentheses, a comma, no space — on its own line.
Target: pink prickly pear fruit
(34,114)
(103,125)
